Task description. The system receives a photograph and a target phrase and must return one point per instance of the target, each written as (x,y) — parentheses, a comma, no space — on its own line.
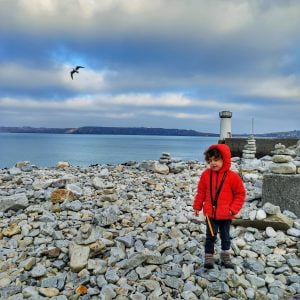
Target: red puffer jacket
(232,194)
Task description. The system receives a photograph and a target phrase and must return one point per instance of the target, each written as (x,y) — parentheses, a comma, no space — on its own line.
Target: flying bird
(75,70)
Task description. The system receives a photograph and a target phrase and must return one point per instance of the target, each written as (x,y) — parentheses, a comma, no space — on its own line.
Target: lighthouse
(225,125)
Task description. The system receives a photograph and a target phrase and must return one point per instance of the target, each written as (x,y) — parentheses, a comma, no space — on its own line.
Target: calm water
(45,150)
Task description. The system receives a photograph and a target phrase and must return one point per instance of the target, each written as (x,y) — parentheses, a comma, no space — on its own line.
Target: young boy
(221,195)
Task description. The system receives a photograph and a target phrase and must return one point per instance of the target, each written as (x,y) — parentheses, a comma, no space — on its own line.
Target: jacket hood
(226,155)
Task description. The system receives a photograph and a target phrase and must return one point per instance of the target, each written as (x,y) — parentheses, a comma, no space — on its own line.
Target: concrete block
(282,190)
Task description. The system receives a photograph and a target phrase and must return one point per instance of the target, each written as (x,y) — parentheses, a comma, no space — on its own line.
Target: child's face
(215,163)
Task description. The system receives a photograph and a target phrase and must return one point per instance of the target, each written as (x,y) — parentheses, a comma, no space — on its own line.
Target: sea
(45,150)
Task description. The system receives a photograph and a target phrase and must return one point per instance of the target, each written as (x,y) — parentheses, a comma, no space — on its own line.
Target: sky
(158,63)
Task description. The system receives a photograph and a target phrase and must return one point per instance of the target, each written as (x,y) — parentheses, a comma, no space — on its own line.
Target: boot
(226,260)
(208,261)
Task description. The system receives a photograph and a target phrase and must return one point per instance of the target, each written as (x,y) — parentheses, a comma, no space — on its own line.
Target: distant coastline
(138,131)
(109,130)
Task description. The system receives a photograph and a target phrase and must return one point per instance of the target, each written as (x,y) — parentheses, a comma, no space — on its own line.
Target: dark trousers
(223,227)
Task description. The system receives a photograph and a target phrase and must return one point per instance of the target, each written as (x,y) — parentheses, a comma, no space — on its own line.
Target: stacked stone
(165,158)
(250,148)
(282,160)
(297,158)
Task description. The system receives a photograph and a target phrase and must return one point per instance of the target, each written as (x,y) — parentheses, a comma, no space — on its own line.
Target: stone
(271,209)
(108,216)
(127,240)
(281,158)
(52,252)
(63,165)
(60,195)
(261,214)
(11,230)
(28,263)
(38,271)
(81,290)
(49,292)
(14,202)
(160,168)
(294,232)
(283,168)
(270,232)
(277,222)
(78,257)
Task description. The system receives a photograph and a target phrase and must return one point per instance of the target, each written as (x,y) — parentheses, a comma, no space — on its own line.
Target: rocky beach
(128,232)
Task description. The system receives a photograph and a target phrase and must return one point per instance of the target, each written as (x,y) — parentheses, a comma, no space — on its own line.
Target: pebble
(128,232)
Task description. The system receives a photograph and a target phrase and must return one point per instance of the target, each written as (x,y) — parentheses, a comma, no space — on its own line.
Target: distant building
(225,125)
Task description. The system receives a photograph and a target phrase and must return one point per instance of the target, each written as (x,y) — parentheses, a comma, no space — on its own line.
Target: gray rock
(255,280)
(127,240)
(293,232)
(78,257)
(174,282)
(38,271)
(254,265)
(217,287)
(14,202)
(109,215)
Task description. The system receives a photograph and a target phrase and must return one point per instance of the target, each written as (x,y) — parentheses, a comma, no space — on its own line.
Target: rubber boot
(226,260)
(208,261)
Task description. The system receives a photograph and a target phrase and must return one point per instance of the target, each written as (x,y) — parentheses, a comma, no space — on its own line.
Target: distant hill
(139,131)
(109,130)
(286,134)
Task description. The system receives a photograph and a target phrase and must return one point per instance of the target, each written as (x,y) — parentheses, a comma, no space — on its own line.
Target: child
(221,195)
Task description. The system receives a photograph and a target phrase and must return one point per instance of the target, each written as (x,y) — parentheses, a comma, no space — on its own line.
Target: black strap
(214,201)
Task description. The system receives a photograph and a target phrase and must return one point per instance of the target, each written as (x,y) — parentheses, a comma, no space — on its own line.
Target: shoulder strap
(214,201)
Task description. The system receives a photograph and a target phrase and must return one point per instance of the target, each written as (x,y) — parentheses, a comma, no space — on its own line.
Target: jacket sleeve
(239,194)
(200,194)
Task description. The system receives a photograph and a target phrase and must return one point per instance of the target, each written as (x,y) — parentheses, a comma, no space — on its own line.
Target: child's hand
(196,212)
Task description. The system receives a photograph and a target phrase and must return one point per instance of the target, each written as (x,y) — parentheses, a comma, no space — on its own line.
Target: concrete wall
(263,146)
(282,190)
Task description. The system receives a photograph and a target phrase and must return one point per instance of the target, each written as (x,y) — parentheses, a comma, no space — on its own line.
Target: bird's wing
(72,72)
(78,67)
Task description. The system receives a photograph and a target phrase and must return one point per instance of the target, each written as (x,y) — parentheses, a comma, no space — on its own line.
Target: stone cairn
(248,162)
(297,158)
(249,150)
(165,158)
(282,160)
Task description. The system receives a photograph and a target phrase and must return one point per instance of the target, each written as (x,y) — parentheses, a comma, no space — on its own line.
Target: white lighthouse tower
(225,124)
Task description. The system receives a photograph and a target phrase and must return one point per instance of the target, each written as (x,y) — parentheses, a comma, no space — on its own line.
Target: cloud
(173,63)
(281,88)
(20,77)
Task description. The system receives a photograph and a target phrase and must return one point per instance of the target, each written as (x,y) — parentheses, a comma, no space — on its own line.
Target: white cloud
(92,102)
(21,76)
(179,115)
(281,88)
(197,18)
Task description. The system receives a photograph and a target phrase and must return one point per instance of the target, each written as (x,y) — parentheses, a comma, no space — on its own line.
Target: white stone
(281,158)
(252,215)
(75,189)
(160,168)
(283,168)
(62,165)
(261,214)
(270,232)
(79,257)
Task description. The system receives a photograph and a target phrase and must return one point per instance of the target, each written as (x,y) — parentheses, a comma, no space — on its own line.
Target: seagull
(75,70)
